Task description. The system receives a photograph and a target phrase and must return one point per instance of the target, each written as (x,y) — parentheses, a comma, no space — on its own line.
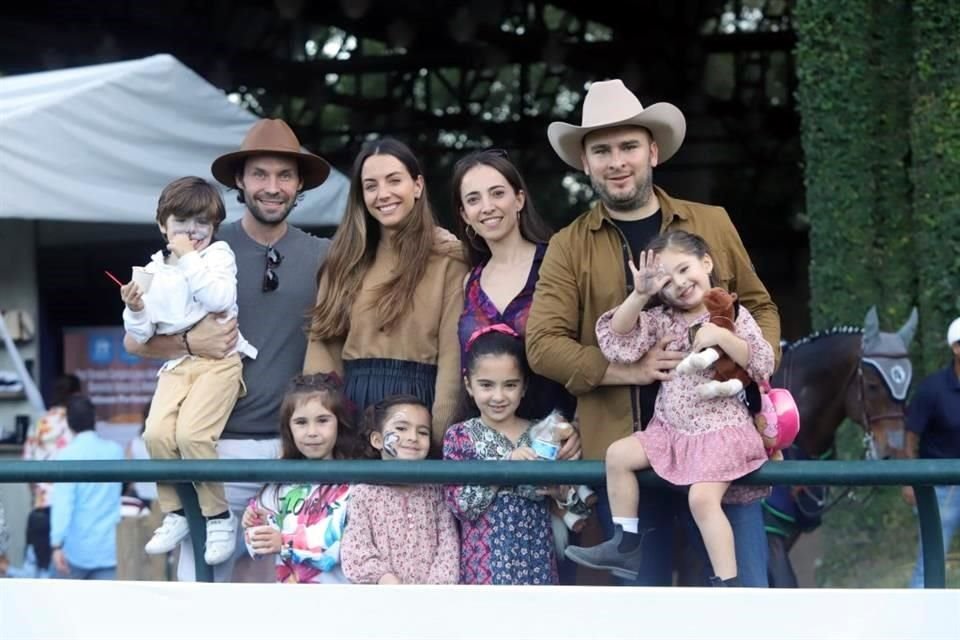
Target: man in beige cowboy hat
(276,286)
(584,274)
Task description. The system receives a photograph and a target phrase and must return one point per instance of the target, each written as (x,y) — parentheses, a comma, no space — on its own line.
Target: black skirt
(370,380)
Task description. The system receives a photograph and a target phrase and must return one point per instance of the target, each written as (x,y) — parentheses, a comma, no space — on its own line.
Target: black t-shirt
(638,234)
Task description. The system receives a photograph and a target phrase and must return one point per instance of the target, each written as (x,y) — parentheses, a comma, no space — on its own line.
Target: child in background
(194,395)
(303,523)
(51,434)
(506,535)
(400,534)
(705,444)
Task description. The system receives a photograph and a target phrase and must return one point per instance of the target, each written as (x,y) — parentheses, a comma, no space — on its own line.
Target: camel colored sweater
(427,333)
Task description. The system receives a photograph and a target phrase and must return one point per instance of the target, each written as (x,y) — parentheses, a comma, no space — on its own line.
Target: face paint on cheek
(200,233)
(390,441)
(194,229)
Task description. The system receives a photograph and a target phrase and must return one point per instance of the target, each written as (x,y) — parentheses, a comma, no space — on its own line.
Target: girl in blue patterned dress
(505,533)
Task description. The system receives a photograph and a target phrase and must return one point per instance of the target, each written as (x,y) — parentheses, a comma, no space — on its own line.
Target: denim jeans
(661,509)
(30,568)
(948,499)
(79,573)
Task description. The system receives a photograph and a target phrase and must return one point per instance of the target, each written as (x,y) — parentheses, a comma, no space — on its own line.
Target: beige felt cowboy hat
(610,104)
(272,137)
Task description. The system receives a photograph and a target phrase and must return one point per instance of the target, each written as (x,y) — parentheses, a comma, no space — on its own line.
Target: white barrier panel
(165,611)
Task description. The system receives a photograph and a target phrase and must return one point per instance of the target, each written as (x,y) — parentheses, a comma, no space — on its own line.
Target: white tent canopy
(99,143)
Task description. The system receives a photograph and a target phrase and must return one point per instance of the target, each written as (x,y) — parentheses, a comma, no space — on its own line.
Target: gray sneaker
(607,556)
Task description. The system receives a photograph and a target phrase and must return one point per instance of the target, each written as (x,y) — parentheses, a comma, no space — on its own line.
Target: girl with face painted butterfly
(506,535)
(400,534)
(195,395)
(303,523)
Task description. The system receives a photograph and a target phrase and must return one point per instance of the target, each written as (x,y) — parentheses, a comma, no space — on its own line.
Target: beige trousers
(187,415)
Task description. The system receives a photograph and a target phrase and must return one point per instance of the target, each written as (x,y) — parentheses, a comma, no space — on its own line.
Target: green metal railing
(922,475)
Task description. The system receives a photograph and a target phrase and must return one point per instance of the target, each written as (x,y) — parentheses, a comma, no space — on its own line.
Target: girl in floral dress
(703,444)
(300,522)
(400,534)
(505,532)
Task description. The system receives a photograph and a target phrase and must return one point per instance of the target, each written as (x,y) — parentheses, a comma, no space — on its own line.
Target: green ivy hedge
(832,60)
(879,96)
(935,171)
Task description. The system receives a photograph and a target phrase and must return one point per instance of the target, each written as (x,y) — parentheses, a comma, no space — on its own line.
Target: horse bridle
(869,444)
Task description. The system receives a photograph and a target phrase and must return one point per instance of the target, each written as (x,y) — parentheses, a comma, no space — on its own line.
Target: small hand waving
(649,276)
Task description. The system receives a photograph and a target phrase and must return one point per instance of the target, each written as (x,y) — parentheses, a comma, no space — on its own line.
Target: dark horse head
(847,372)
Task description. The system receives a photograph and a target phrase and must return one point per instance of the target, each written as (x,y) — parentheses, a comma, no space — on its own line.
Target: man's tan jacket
(584,274)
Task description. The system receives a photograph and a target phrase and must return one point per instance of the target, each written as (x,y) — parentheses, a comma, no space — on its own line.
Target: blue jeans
(30,568)
(661,509)
(103,573)
(948,499)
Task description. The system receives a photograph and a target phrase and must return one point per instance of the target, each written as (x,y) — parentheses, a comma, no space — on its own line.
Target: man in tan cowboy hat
(584,274)
(276,286)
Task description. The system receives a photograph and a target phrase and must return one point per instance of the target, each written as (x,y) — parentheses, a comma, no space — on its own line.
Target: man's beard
(630,201)
(277,219)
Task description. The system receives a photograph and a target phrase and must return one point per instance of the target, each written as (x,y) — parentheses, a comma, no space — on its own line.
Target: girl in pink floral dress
(401,534)
(705,444)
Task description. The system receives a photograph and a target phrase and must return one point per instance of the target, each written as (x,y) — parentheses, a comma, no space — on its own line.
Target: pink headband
(492,328)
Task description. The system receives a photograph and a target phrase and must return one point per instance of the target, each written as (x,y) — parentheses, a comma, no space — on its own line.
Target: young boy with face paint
(399,534)
(195,276)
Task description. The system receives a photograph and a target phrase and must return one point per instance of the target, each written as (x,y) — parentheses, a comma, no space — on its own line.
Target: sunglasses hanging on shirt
(270,279)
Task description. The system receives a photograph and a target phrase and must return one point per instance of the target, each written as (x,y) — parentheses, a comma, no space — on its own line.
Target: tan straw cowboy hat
(610,104)
(273,137)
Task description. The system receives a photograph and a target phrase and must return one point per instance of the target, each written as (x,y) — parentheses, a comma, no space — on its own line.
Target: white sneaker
(168,535)
(221,539)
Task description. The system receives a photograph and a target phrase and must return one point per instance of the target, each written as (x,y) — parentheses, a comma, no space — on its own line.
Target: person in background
(51,434)
(4,543)
(84,515)
(933,431)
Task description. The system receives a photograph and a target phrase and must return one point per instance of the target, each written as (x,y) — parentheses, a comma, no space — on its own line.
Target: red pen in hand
(113,277)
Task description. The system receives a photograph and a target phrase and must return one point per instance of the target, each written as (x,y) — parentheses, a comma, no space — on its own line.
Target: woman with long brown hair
(390,291)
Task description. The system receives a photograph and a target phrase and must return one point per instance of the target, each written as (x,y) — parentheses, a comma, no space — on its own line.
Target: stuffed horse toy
(730,379)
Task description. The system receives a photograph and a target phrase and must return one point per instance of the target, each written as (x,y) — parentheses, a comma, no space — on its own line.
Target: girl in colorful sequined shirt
(303,523)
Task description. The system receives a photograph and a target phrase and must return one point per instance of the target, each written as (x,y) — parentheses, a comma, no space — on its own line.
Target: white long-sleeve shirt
(181,294)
